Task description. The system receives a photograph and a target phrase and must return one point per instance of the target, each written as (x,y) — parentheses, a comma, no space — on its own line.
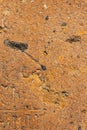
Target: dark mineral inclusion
(74,39)
(22,47)
(16,45)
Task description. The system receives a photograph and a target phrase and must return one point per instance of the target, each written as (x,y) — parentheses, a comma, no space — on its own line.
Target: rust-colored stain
(43,64)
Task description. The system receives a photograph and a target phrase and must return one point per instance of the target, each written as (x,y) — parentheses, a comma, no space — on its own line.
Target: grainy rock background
(56,34)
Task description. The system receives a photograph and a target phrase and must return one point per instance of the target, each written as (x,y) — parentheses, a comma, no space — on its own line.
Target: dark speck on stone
(43,67)
(64,93)
(1,27)
(54,31)
(79,128)
(84,111)
(74,38)
(47,17)
(48,42)
(63,24)
(45,52)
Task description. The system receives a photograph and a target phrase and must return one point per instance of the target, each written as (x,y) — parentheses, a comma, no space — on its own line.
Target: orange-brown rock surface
(53,97)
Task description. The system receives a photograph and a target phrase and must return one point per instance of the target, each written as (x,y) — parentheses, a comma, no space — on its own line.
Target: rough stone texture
(56,34)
